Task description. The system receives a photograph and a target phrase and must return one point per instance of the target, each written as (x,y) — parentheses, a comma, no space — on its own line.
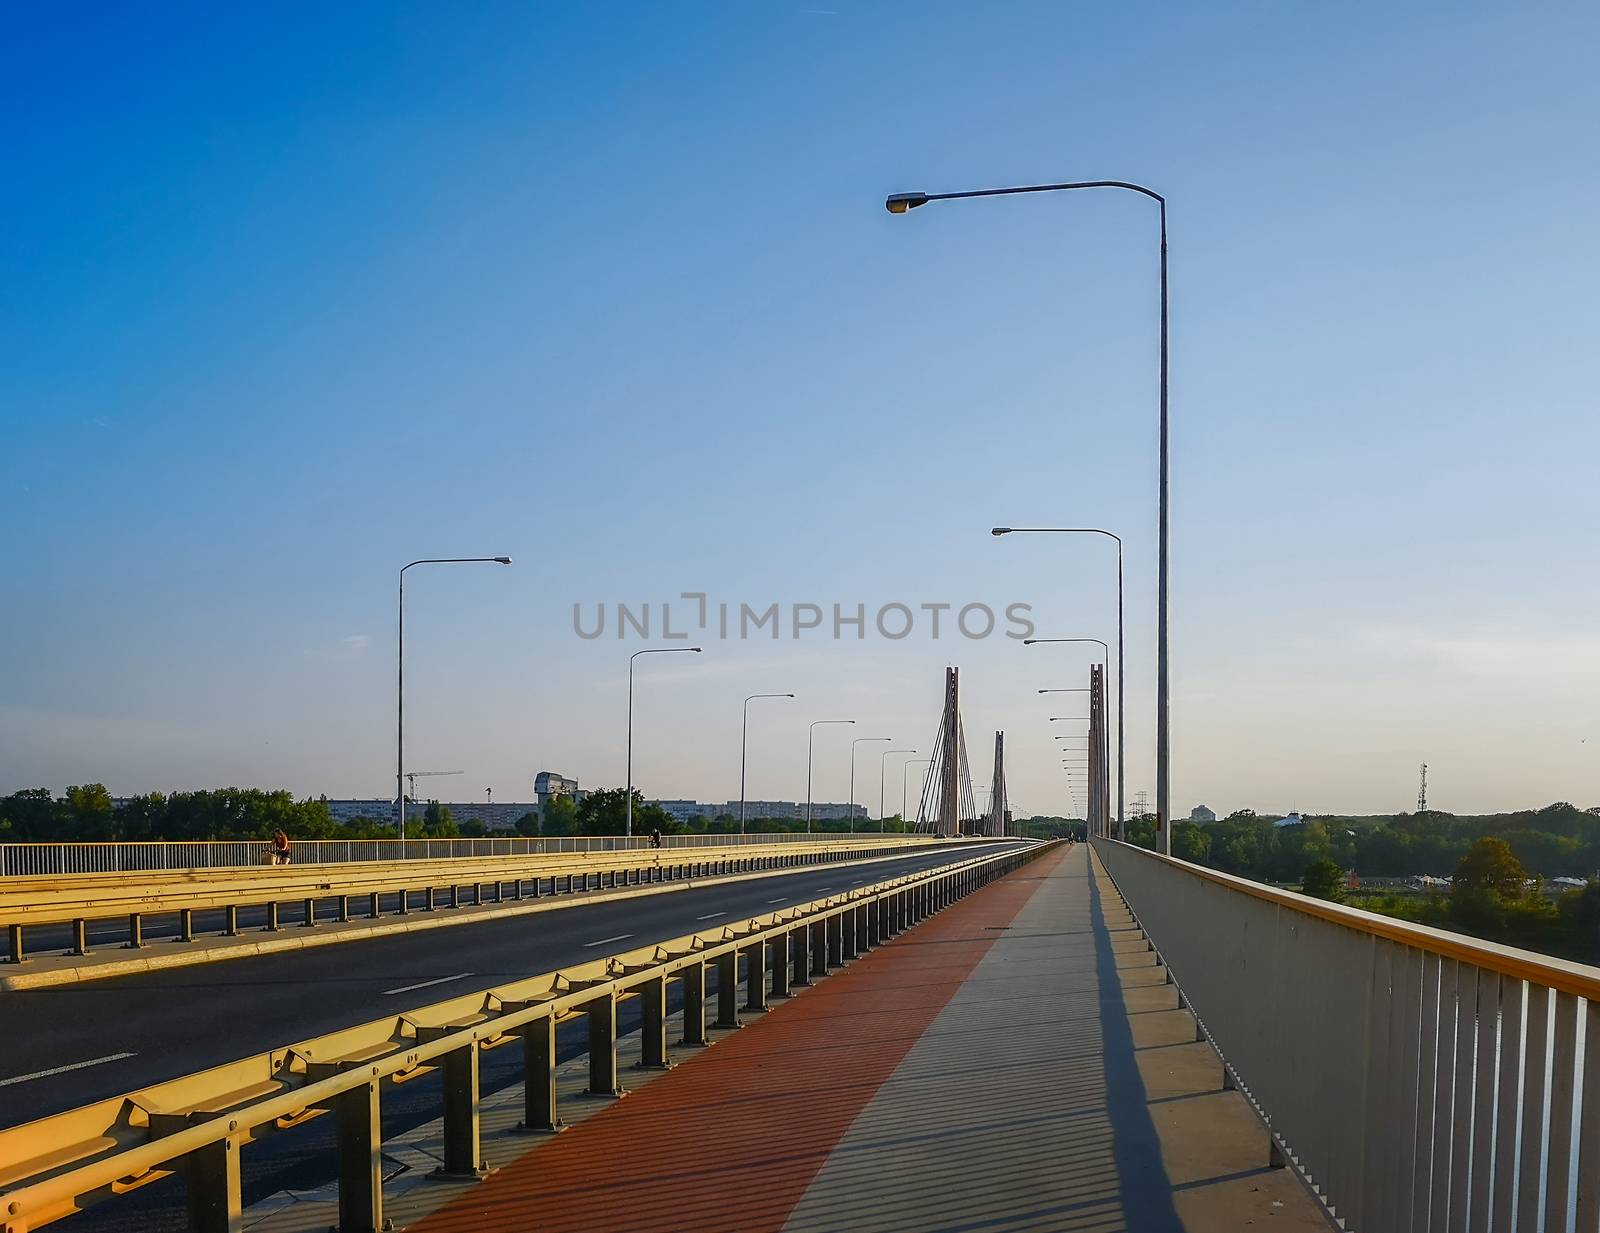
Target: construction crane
(413,776)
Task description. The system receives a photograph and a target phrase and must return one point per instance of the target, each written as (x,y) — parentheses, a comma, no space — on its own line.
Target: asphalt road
(107,1037)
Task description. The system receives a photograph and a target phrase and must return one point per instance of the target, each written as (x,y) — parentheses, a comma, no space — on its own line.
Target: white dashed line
(423,984)
(621,937)
(779,899)
(61,1070)
(711,916)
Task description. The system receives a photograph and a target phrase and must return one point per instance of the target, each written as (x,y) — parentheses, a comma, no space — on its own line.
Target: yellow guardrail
(77,901)
(198,1125)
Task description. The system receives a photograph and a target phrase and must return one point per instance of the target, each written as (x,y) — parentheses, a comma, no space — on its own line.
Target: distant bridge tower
(999,815)
(1422,791)
(947,799)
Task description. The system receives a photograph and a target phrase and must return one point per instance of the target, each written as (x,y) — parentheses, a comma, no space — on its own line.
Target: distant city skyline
(285,312)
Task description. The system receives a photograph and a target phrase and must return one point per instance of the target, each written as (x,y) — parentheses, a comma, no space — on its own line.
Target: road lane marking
(711,916)
(621,937)
(61,1070)
(423,984)
(779,899)
(823,888)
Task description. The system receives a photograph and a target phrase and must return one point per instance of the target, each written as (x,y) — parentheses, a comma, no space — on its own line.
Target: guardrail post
(463,1156)
(694,1003)
(653,1025)
(135,931)
(230,923)
(755,976)
(800,952)
(602,1015)
(310,920)
(728,990)
(216,1203)
(342,913)
(360,1159)
(817,946)
(185,924)
(405,902)
(80,937)
(539,1115)
(373,908)
(18,952)
(778,952)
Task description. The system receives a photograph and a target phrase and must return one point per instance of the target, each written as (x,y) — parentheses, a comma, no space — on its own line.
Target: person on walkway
(655,838)
(280,848)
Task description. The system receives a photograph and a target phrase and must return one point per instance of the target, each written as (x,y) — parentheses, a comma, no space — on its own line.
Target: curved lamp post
(811,733)
(400,674)
(654,650)
(883,762)
(1122,679)
(860,740)
(900,203)
(744,734)
(904,775)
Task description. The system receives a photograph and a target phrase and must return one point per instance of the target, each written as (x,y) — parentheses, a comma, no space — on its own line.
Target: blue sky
(294,297)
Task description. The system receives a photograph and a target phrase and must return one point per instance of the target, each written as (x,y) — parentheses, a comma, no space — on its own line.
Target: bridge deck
(1015,1062)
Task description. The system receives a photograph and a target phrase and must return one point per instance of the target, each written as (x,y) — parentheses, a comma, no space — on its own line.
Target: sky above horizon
(293,297)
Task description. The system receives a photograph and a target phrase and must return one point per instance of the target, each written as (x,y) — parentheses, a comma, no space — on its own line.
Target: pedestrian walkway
(1016,1062)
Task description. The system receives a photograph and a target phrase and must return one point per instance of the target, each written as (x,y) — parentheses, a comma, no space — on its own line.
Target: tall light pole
(653,650)
(882,764)
(1122,679)
(744,733)
(899,203)
(905,774)
(858,741)
(811,733)
(400,674)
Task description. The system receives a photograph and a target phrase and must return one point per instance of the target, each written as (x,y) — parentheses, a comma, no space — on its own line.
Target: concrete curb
(218,949)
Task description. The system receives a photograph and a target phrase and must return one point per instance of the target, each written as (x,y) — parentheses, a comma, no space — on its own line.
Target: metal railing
(375,889)
(1420,1079)
(199,1125)
(45,859)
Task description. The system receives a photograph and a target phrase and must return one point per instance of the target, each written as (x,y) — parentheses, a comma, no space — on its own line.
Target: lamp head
(999,531)
(504,560)
(899,203)
(696,649)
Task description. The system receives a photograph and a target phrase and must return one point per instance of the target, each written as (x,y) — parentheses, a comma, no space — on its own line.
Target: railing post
(778,953)
(539,1113)
(185,924)
(309,920)
(272,917)
(18,952)
(755,975)
(838,950)
(463,1156)
(230,924)
(360,1130)
(800,954)
(653,1025)
(80,937)
(602,1015)
(694,1003)
(817,945)
(728,990)
(216,1203)
(135,931)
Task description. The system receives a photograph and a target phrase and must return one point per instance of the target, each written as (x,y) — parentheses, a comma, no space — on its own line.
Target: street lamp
(882,764)
(1121,672)
(899,203)
(905,773)
(858,741)
(400,673)
(811,733)
(653,650)
(1101,644)
(744,733)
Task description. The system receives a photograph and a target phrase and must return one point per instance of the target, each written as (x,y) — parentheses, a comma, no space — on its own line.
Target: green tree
(31,816)
(1190,842)
(1490,868)
(561,816)
(438,823)
(1323,879)
(605,812)
(528,823)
